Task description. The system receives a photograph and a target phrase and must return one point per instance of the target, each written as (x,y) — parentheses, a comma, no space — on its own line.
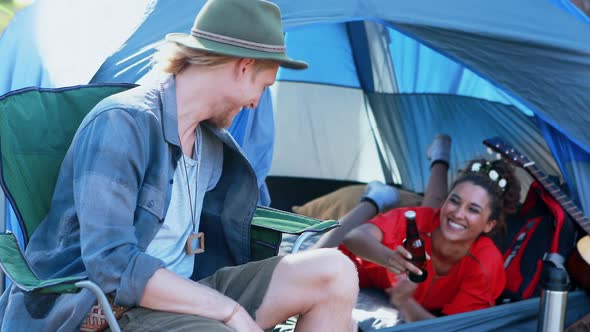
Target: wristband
(372,201)
(228,318)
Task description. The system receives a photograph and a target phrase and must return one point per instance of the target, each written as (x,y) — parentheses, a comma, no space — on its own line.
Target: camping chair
(36,129)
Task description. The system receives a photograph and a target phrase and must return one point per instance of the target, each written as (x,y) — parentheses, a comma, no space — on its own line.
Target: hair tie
(488,168)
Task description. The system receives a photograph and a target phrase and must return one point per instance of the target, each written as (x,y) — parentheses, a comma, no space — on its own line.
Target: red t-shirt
(473,283)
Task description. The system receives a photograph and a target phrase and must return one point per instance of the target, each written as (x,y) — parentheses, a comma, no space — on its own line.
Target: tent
(404,71)
(385,77)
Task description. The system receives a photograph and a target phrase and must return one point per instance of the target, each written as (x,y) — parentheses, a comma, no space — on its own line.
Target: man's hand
(402,292)
(243,322)
(166,291)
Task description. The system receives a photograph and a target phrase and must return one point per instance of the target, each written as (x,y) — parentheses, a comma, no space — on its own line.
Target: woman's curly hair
(503,201)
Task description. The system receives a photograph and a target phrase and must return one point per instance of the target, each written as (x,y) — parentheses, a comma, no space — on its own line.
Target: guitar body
(578,262)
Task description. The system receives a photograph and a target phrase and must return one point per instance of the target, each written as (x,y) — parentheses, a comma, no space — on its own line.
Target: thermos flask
(553,300)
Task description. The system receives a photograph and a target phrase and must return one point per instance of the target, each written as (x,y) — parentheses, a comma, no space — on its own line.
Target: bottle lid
(556,279)
(410,214)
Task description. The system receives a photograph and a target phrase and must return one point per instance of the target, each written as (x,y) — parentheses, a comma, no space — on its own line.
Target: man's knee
(332,273)
(344,273)
(334,260)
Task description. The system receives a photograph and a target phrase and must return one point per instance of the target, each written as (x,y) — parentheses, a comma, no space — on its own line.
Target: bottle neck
(411,229)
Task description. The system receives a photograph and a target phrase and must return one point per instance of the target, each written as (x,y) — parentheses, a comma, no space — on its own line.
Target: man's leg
(321,286)
(146,320)
(439,155)
(246,284)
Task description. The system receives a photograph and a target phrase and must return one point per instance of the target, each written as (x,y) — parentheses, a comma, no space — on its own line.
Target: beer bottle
(414,244)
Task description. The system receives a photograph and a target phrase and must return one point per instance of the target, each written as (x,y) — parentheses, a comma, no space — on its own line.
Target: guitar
(579,259)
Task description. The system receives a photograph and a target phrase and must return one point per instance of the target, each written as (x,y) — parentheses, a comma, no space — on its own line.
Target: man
(151,167)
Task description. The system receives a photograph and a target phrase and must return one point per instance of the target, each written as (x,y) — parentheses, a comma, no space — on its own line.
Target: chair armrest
(15,266)
(291,223)
(268,225)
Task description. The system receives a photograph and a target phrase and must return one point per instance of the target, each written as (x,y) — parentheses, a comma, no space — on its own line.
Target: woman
(465,269)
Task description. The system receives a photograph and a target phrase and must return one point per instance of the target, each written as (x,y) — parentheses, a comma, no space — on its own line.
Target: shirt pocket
(151,199)
(149,214)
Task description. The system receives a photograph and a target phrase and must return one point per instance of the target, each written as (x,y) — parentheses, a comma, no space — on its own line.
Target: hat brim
(231,50)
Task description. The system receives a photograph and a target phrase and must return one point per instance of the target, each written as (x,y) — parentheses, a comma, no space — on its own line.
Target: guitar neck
(566,203)
(504,149)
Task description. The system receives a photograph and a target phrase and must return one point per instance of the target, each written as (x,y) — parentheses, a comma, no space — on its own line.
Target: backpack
(540,233)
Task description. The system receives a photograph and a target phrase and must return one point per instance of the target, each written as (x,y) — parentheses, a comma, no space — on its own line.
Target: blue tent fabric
(63,42)
(27,64)
(132,60)
(574,163)
(30,58)
(457,30)
(502,57)
(445,66)
(514,317)
(515,71)
(254,131)
(17,60)
(333,41)
(408,122)
(570,8)
(521,26)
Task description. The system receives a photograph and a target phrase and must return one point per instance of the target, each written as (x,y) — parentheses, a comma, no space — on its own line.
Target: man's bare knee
(347,275)
(335,288)
(309,279)
(339,275)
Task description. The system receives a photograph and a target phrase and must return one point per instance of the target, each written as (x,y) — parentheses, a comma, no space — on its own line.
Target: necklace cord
(188,187)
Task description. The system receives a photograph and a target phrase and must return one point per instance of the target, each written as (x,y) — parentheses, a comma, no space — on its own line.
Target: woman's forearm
(365,242)
(361,213)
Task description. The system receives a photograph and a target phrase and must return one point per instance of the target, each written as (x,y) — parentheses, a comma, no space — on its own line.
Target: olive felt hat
(239,28)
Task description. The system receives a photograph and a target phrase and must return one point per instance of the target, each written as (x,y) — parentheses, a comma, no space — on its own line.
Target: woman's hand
(398,262)
(402,292)
(401,296)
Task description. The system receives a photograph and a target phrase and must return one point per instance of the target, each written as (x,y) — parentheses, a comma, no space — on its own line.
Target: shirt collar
(169,110)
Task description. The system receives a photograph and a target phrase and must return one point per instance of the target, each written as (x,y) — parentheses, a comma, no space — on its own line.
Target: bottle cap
(410,214)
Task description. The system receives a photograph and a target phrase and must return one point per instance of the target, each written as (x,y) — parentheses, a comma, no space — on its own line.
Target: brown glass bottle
(415,246)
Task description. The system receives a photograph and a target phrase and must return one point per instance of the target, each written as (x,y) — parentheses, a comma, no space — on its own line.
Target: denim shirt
(110,200)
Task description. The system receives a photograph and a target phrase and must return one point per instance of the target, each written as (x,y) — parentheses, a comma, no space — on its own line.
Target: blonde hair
(172,58)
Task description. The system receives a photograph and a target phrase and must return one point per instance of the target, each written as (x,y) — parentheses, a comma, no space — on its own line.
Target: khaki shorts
(246,284)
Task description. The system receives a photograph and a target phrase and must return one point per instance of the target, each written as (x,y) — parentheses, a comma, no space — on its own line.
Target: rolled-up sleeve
(110,158)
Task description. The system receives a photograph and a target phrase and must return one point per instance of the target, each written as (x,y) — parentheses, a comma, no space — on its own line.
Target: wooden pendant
(195,244)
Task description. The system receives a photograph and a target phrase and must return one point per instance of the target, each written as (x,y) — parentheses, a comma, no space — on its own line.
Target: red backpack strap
(556,210)
(541,234)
